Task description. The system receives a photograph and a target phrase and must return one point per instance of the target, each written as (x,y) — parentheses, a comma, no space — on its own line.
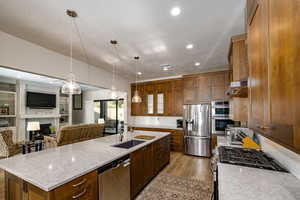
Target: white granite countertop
(224,141)
(156,126)
(245,183)
(53,167)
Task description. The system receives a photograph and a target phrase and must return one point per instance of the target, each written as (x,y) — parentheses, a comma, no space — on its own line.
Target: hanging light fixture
(136,97)
(114,95)
(70,86)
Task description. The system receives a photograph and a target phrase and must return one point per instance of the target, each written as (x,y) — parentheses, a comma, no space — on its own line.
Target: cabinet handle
(264,127)
(80,194)
(80,183)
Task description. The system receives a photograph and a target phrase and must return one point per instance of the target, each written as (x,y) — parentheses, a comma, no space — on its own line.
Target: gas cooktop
(248,158)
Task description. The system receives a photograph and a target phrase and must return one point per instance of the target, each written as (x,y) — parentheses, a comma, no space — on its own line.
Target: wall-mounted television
(41,100)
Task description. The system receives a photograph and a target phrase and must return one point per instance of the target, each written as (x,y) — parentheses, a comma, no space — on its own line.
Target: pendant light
(70,86)
(114,95)
(136,97)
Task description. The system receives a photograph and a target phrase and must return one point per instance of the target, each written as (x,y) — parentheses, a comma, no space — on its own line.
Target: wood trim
(204,74)
(156,82)
(253,12)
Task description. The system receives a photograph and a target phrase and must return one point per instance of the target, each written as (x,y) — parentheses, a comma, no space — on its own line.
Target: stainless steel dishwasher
(114,180)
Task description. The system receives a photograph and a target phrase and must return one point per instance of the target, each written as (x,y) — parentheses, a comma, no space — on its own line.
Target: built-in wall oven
(220,116)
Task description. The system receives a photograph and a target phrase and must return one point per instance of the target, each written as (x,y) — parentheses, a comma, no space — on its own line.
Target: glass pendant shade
(136,97)
(114,94)
(70,86)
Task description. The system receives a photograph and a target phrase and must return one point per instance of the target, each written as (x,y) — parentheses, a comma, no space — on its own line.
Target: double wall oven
(220,116)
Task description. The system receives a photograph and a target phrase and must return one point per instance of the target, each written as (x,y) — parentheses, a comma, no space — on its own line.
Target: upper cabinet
(203,88)
(258,64)
(240,71)
(159,98)
(274,56)
(238,53)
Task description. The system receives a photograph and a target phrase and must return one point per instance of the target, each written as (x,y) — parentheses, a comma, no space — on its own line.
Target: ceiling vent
(166,67)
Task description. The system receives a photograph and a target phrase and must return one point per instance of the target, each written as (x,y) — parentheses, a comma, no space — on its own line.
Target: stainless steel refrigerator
(197,129)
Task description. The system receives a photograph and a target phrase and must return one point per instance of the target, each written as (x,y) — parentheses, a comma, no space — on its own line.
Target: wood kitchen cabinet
(190,90)
(274,72)
(238,50)
(219,85)
(177,97)
(161,154)
(141,170)
(240,71)
(284,73)
(176,137)
(204,88)
(82,188)
(159,98)
(258,67)
(147,162)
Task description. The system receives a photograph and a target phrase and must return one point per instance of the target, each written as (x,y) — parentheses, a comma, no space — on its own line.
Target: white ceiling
(142,27)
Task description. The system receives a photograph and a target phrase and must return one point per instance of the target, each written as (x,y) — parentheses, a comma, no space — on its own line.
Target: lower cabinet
(147,162)
(161,154)
(176,140)
(82,188)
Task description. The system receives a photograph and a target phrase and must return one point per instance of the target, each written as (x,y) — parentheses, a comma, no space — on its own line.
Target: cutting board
(144,137)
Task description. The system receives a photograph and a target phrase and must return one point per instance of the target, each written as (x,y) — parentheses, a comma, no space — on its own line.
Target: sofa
(73,134)
(7,146)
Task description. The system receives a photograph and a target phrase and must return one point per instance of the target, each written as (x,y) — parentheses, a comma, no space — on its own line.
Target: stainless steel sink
(129,144)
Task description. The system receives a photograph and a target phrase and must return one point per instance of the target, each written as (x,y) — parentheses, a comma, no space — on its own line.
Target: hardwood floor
(190,167)
(180,165)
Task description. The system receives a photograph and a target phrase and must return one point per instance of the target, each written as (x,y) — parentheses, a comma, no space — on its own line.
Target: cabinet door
(13,187)
(218,93)
(136,172)
(239,54)
(204,88)
(148,168)
(189,91)
(161,154)
(284,71)
(258,68)
(176,141)
(149,106)
(177,98)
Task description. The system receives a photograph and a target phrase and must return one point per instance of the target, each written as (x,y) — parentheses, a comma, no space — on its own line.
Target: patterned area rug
(169,187)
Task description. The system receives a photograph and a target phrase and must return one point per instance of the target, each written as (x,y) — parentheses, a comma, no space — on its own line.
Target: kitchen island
(40,174)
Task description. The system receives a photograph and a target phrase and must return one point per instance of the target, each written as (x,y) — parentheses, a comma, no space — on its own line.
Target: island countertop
(54,167)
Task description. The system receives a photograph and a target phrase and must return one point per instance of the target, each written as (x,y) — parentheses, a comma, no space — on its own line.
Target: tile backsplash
(287,158)
(156,121)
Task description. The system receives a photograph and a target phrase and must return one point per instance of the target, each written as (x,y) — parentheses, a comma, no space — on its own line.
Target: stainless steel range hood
(238,89)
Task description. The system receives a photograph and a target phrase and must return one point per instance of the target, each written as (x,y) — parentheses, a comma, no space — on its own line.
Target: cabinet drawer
(84,187)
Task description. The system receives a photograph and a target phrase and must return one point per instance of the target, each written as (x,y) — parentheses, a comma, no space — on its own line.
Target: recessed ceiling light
(189,46)
(139,73)
(165,68)
(197,64)
(175,11)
